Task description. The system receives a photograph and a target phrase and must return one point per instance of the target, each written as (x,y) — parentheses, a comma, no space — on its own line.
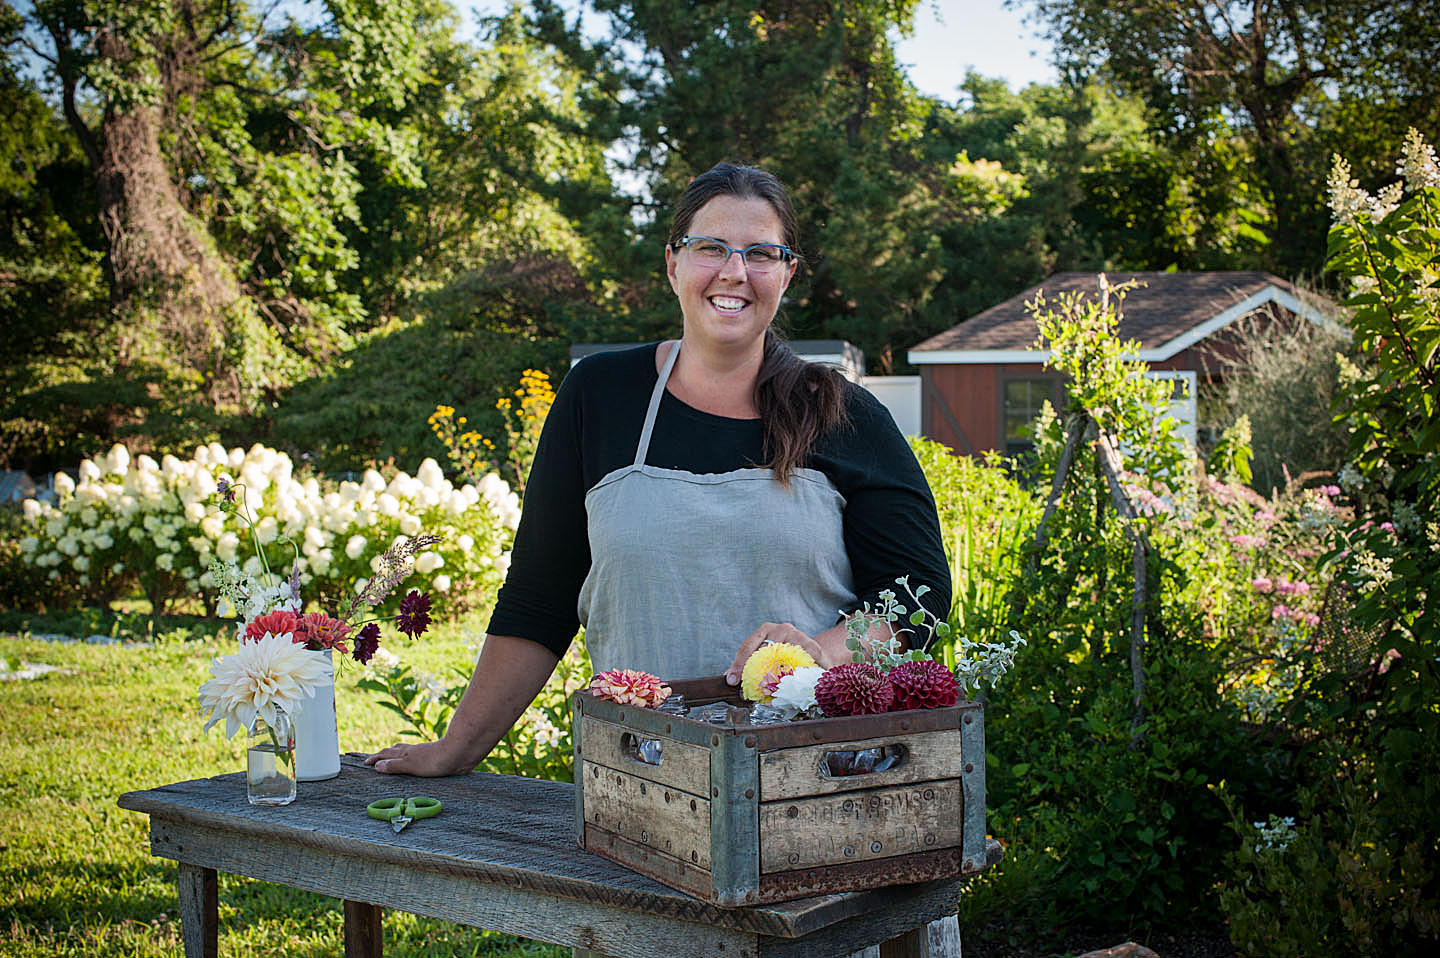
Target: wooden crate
(745,814)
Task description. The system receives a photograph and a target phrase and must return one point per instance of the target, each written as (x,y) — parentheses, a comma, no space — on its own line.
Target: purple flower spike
(414,617)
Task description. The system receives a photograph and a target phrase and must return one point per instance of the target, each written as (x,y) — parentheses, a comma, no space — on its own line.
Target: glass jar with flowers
(257,689)
(271,607)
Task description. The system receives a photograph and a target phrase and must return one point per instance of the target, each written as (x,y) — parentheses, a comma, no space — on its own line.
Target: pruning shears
(400,812)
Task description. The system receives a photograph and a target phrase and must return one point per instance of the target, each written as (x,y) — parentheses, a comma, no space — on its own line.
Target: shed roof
(1167,313)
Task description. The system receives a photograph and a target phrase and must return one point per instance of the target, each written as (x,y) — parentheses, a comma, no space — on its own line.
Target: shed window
(1023,400)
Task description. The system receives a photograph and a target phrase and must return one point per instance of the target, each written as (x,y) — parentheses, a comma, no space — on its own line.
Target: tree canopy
(218,212)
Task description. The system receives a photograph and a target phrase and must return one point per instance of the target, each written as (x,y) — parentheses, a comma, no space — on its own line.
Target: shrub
(130,521)
(1101,750)
(1285,384)
(1358,875)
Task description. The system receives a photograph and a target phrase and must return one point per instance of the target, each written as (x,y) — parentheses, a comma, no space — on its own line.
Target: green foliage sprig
(977,662)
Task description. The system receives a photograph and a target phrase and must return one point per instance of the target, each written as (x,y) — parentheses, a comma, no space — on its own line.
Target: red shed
(983,381)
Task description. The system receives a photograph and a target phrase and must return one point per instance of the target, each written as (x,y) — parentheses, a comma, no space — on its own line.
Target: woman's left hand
(781,632)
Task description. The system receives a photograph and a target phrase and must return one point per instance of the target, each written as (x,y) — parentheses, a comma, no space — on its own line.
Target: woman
(689,495)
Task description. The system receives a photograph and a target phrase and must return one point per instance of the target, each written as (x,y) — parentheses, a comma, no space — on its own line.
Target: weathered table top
(502,855)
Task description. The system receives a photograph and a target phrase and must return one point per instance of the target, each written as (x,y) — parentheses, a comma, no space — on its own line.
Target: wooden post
(199,911)
(1109,456)
(915,943)
(363,938)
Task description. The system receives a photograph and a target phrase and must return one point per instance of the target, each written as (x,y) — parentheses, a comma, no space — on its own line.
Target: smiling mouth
(728,304)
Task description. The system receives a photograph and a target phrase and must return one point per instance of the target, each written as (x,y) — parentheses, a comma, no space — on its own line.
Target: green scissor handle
(421,806)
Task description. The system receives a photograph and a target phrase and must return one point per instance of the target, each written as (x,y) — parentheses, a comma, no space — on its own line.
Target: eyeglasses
(757,257)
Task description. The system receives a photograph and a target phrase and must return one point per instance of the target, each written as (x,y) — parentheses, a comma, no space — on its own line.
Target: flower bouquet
(271,613)
(880,677)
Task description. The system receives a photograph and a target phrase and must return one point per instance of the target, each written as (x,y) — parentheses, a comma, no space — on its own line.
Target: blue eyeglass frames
(757,257)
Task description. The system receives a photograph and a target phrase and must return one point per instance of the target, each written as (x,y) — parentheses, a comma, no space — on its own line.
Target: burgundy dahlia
(367,643)
(855,688)
(923,685)
(414,617)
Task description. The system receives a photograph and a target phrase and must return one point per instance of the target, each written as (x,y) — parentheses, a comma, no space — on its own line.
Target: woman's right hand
(426,759)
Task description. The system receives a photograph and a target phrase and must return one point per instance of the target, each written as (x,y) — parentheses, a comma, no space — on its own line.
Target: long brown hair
(798,401)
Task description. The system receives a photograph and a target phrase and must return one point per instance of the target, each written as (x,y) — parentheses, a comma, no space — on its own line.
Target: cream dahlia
(628,687)
(854,688)
(269,672)
(767,665)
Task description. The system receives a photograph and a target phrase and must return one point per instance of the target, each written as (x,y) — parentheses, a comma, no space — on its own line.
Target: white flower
(89,472)
(29,544)
(466,542)
(441,583)
(81,563)
(118,460)
(1385,203)
(117,568)
(64,485)
(1417,163)
(383,659)
(271,672)
(1346,197)
(428,562)
(32,509)
(410,524)
(795,692)
(163,561)
(355,547)
(431,475)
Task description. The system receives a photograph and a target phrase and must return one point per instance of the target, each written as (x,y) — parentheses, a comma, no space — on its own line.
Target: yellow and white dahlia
(764,669)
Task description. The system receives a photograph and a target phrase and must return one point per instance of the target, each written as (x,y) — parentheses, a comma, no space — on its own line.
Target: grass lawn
(76,870)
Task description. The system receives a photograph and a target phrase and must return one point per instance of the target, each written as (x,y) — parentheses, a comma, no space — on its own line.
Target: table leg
(362,930)
(915,943)
(199,911)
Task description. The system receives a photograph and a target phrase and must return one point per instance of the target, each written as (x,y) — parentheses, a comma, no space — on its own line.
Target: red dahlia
(923,685)
(855,688)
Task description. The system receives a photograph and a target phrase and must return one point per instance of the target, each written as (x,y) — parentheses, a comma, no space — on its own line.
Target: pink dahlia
(279,622)
(855,688)
(923,685)
(628,687)
(324,632)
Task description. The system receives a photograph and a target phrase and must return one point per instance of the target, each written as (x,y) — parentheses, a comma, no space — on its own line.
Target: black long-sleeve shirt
(890,525)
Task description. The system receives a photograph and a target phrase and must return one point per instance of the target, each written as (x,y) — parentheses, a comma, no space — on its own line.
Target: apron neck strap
(655,396)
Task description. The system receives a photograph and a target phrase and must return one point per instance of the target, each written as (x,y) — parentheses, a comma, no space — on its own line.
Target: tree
(1290,75)
(213,140)
(811,90)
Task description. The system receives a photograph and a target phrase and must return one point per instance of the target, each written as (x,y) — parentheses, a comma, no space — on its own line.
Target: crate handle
(844,763)
(647,751)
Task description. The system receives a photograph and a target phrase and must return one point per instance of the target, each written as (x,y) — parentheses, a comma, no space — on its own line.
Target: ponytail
(798,403)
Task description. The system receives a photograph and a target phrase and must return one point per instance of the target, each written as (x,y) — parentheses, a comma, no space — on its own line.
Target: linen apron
(684,566)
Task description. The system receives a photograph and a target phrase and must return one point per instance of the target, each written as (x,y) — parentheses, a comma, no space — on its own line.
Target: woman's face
(729,306)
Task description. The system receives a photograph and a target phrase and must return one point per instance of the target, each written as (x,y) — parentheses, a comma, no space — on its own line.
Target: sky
(954,36)
(950,38)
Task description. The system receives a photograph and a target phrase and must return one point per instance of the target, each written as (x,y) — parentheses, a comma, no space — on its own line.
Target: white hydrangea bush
(158,523)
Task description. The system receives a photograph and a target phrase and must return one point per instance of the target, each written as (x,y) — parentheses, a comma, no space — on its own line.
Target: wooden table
(502,856)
